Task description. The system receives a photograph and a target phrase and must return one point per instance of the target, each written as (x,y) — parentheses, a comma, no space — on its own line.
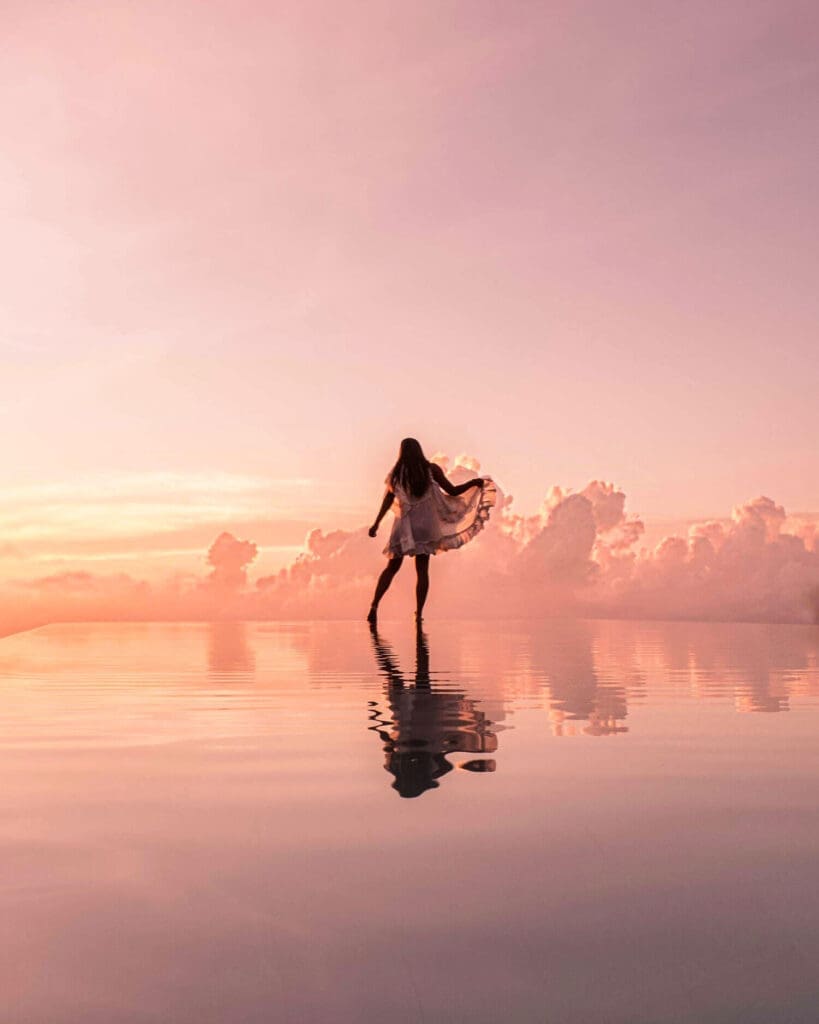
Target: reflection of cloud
(228,649)
(578,555)
(594,671)
(761,667)
(579,701)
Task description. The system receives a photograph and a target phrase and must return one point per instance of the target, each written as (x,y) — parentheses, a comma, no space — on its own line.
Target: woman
(430,516)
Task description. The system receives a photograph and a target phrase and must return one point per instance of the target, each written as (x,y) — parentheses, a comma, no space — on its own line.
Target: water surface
(564,822)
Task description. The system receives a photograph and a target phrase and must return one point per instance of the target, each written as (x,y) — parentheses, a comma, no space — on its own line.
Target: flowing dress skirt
(437,521)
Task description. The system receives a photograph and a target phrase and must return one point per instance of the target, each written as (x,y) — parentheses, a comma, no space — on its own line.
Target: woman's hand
(373,530)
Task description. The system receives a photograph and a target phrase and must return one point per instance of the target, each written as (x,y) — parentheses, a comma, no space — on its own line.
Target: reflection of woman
(421,725)
(430,516)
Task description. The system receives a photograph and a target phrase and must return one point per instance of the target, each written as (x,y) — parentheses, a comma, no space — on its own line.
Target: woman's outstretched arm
(389,497)
(441,480)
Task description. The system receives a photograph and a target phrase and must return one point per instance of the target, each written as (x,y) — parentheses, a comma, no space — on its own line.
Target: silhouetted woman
(430,516)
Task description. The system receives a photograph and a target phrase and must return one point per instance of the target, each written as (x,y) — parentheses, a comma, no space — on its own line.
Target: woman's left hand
(373,530)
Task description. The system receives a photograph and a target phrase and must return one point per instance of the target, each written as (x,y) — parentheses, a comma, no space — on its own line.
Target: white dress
(437,521)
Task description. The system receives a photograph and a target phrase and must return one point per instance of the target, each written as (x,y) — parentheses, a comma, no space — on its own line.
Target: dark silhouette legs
(388,575)
(421,585)
(383,585)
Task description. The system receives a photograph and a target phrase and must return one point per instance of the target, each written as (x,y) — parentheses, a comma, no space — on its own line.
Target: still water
(562,822)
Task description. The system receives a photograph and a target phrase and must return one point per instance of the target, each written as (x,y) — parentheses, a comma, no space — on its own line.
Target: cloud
(152,518)
(579,554)
(754,567)
(230,558)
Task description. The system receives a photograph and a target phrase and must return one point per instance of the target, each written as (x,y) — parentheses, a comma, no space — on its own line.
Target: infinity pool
(562,822)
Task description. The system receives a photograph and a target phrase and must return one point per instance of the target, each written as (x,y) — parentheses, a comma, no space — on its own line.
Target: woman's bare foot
(372,615)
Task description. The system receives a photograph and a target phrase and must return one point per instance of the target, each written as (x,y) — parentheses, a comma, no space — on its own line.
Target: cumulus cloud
(580,554)
(754,567)
(230,558)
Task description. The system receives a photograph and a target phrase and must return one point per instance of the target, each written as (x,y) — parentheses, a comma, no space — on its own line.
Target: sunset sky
(247,247)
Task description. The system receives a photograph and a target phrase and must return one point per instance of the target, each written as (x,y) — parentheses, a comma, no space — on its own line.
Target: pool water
(567,822)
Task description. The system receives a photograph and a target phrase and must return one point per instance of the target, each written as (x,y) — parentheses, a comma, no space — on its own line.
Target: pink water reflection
(196,823)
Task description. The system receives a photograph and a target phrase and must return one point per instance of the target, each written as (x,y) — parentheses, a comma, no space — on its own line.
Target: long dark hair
(411,470)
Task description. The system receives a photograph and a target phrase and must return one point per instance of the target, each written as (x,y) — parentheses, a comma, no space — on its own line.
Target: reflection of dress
(437,521)
(421,725)
(424,727)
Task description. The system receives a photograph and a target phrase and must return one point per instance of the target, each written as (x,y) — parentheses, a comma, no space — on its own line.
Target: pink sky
(249,246)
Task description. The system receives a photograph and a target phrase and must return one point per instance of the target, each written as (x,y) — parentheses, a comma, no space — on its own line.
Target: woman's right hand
(373,530)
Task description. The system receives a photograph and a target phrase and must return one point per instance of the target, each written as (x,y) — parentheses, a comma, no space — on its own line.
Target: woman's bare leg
(383,584)
(421,585)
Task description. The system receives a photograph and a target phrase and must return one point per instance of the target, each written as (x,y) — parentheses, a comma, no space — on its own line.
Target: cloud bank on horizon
(579,554)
